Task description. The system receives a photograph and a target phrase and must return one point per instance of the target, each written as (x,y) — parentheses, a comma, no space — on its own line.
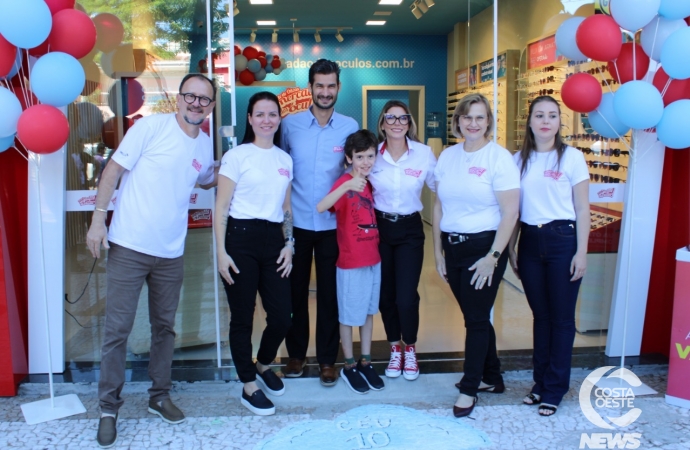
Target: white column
(635,261)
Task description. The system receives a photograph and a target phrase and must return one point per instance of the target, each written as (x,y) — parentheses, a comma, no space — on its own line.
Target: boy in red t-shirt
(359,264)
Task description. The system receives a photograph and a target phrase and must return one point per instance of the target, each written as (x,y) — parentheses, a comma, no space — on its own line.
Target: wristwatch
(495,253)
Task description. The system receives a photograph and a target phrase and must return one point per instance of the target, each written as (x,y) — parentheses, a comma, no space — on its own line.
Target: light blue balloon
(675,54)
(638,104)
(673,129)
(253,65)
(10,110)
(605,121)
(25,23)
(260,75)
(565,39)
(57,79)
(268,68)
(655,34)
(6,143)
(15,67)
(674,9)
(634,14)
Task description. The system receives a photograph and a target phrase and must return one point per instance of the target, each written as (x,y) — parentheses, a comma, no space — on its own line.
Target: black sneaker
(370,376)
(107,432)
(258,403)
(354,380)
(272,382)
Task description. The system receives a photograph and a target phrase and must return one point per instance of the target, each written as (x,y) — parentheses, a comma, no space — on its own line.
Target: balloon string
(603,78)
(656,31)
(668,84)
(19,151)
(634,47)
(21,73)
(621,138)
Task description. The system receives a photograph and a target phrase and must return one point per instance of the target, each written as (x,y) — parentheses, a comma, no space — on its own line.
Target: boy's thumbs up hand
(357,183)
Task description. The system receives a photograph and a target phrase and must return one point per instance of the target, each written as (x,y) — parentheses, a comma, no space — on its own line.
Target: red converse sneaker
(394,368)
(411,371)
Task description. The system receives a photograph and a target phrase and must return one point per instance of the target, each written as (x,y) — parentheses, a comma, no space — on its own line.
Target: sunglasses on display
(608,81)
(594,70)
(547,69)
(190,98)
(541,92)
(615,152)
(390,119)
(604,178)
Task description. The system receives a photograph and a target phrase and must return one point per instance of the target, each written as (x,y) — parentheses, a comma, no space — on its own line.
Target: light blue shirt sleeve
(318,161)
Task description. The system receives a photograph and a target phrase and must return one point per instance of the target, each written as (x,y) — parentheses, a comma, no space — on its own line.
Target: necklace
(469,156)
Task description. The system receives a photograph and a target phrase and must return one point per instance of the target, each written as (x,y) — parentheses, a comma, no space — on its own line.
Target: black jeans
(544,257)
(481,359)
(255,246)
(323,247)
(401,247)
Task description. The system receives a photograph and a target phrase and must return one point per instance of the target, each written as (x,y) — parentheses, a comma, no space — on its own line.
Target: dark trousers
(401,247)
(255,246)
(127,271)
(544,257)
(323,247)
(481,359)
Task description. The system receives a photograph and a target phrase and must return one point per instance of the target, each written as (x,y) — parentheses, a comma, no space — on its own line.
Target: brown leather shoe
(294,368)
(462,412)
(328,374)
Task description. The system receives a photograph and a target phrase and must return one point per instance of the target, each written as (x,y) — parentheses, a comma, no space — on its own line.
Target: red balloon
(263,61)
(135,97)
(624,64)
(262,54)
(109,31)
(41,49)
(43,129)
(250,52)
(581,93)
(8,56)
(238,50)
(599,37)
(276,62)
(56,6)
(246,77)
(677,89)
(687,20)
(73,33)
(93,76)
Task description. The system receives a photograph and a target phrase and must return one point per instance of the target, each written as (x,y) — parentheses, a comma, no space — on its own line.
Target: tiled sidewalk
(312,416)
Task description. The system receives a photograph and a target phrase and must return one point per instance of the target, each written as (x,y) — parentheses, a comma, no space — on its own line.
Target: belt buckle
(392,217)
(461,238)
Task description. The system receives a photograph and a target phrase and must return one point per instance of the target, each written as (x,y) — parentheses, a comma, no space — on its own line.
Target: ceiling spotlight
(416,11)
(235,9)
(339,37)
(429,3)
(422,6)
(274,36)
(317,36)
(252,36)
(295,36)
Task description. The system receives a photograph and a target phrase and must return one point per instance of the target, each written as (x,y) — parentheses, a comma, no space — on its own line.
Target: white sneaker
(394,368)
(411,371)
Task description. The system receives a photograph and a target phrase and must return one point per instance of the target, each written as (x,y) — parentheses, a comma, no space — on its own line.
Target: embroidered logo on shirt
(553,174)
(284,172)
(197,165)
(479,171)
(606,193)
(114,199)
(192,198)
(337,149)
(413,173)
(90,200)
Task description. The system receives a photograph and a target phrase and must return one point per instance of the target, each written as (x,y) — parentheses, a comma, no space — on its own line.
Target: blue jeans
(545,253)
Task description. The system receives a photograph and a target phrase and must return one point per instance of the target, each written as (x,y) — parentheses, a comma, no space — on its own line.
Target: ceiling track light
(339,37)
(317,36)
(235,9)
(274,36)
(429,3)
(416,11)
(422,6)
(295,36)
(252,36)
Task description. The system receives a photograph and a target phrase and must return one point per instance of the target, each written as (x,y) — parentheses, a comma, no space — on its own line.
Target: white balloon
(655,33)
(277,71)
(240,62)
(565,39)
(634,14)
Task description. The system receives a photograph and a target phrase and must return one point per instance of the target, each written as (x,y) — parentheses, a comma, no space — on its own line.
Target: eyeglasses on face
(191,98)
(469,119)
(403,119)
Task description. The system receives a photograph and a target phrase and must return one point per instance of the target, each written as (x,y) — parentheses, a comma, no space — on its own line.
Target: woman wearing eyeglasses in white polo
(403,166)
(478,187)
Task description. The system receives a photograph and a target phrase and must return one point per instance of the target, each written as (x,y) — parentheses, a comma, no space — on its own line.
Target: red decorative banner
(294,100)
(543,52)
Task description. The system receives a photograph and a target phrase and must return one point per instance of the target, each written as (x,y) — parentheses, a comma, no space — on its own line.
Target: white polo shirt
(163,166)
(262,177)
(547,188)
(466,184)
(398,184)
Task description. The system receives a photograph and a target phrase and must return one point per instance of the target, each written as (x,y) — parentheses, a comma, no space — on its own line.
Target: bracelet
(101,210)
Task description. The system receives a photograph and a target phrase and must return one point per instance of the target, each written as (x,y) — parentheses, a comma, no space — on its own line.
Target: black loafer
(107,432)
(272,382)
(258,403)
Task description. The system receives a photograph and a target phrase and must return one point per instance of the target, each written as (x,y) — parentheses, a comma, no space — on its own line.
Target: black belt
(457,238)
(394,217)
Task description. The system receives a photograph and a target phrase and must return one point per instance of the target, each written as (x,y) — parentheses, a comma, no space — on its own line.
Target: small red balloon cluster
(252,65)
(645,100)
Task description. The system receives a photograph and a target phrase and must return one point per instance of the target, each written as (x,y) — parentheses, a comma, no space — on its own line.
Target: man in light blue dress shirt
(315,139)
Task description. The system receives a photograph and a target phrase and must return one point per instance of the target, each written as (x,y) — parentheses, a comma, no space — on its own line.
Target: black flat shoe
(534,399)
(499,388)
(464,412)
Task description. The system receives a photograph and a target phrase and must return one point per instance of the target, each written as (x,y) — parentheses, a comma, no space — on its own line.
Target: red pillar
(672,233)
(14,324)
